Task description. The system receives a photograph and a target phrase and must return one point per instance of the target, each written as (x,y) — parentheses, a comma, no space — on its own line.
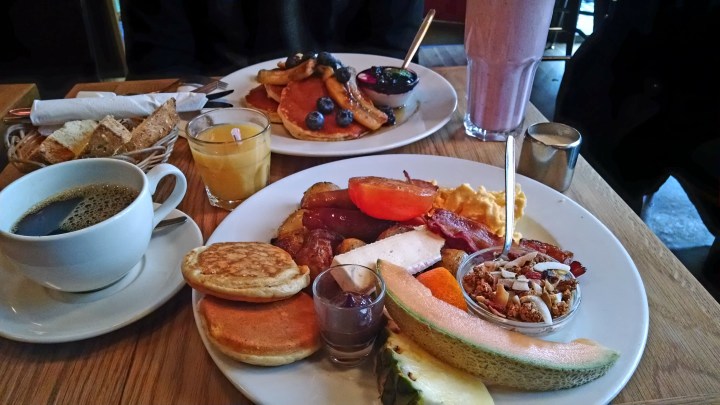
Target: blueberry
(309,55)
(315,120)
(390,114)
(325,105)
(344,118)
(343,74)
(293,60)
(337,65)
(326,59)
(298,58)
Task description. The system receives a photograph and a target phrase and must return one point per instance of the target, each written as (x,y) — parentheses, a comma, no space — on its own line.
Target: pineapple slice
(407,374)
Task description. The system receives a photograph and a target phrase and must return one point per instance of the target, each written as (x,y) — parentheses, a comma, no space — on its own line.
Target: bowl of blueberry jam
(388,85)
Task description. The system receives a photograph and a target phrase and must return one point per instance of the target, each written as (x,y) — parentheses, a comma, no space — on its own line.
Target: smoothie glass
(231,150)
(504,43)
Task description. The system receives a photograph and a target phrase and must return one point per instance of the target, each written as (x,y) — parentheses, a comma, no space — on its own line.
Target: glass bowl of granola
(530,293)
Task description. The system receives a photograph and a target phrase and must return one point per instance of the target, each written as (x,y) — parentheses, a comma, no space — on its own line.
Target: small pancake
(257,98)
(300,98)
(244,271)
(269,334)
(274,91)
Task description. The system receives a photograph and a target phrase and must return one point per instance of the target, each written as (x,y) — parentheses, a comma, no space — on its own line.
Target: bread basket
(22,139)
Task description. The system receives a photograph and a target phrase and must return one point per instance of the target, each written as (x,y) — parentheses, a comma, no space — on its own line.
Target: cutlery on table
(169,222)
(217,104)
(212,86)
(219,94)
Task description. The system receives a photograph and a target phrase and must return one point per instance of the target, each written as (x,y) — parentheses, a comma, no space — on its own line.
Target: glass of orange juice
(231,150)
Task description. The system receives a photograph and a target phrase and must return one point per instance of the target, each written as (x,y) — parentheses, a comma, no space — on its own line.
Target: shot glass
(549,154)
(231,150)
(349,302)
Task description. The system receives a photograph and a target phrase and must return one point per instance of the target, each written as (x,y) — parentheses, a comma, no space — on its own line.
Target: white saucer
(31,313)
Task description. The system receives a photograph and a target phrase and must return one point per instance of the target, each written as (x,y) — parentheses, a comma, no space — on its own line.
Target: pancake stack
(288,95)
(254,309)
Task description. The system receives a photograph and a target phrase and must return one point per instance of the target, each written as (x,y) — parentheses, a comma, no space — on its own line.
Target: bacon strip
(563,256)
(469,235)
(462,233)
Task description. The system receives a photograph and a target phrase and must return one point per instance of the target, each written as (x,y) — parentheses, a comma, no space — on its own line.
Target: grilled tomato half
(391,199)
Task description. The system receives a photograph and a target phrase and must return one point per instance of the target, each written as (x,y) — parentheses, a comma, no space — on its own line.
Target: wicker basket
(21,141)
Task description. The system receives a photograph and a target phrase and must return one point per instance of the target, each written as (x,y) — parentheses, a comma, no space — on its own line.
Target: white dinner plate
(32,313)
(614,310)
(437,101)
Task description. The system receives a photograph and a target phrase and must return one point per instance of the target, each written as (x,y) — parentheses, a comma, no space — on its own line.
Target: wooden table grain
(160,359)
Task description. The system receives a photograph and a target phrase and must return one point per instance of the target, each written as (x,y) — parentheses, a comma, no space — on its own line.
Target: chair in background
(563,28)
(448,26)
(444,42)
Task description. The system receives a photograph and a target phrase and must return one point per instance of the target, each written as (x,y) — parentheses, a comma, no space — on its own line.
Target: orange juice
(232,169)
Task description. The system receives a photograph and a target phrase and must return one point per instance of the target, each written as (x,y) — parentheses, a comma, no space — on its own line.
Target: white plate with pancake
(436,98)
(614,311)
(32,313)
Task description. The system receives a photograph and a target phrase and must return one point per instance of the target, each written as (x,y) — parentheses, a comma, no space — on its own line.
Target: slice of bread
(68,142)
(155,127)
(244,271)
(131,123)
(269,334)
(109,136)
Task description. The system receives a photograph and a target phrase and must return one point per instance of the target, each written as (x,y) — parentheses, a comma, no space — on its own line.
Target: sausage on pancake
(244,271)
(270,334)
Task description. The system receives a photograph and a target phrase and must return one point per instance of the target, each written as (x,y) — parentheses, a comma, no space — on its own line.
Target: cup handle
(154,176)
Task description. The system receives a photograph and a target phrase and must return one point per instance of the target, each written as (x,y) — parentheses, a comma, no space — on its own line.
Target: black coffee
(75,209)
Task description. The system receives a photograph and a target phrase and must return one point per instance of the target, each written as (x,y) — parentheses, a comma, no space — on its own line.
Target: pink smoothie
(504,42)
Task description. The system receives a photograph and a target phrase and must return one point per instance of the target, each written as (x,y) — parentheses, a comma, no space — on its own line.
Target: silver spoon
(418,38)
(169,222)
(509,195)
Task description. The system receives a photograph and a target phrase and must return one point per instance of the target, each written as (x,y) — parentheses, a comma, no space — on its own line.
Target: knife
(219,94)
(217,104)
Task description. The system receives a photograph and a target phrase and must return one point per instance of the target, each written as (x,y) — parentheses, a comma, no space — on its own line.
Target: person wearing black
(644,91)
(216,37)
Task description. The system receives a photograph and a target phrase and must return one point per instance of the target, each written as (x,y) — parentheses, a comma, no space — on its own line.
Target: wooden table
(161,359)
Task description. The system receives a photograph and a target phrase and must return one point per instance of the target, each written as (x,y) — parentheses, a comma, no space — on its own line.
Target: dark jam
(349,299)
(388,79)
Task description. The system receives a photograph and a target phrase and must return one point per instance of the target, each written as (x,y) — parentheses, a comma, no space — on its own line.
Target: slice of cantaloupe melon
(495,354)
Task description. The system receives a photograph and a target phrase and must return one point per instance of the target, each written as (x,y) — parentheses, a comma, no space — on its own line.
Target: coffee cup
(88,256)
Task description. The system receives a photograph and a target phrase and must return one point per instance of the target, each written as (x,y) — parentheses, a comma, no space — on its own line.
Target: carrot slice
(443,286)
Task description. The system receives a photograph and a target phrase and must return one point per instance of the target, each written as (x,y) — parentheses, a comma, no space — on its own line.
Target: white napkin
(48,112)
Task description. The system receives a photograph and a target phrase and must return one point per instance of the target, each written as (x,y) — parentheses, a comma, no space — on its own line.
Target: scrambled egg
(482,205)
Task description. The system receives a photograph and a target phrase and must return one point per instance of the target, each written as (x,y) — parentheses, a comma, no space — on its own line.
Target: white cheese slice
(415,250)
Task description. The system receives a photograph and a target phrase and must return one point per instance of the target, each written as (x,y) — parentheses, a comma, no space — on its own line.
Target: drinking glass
(504,43)
(231,150)
(349,302)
